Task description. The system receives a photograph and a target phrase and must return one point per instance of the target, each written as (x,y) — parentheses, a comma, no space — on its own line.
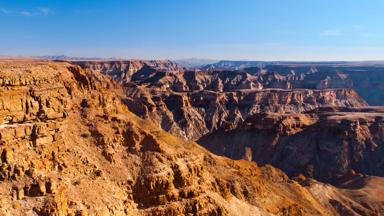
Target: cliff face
(323,145)
(122,71)
(192,115)
(192,104)
(365,78)
(367,81)
(68,146)
(241,114)
(307,126)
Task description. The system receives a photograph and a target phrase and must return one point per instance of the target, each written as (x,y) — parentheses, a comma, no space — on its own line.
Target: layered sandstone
(77,150)
(122,71)
(243,121)
(365,78)
(192,115)
(305,120)
(190,104)
(326,144)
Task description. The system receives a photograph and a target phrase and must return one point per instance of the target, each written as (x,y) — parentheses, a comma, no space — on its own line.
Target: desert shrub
(85,134)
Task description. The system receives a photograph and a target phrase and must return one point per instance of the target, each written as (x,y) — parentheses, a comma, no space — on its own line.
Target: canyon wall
(365,78)
(323,145)
(69,146)
(191,104)
(307,120)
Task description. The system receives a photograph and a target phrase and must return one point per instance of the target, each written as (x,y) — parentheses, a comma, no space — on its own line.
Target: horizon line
(47,57)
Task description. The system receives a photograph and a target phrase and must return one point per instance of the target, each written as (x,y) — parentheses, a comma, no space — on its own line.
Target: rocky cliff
(122,71)
(192,115)
(365,78)
(323,144)
(70,147)
(191,104)
(295,119)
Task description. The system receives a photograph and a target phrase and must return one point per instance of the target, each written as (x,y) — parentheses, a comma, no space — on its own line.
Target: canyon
(325,144)
(150,138)
(302,118)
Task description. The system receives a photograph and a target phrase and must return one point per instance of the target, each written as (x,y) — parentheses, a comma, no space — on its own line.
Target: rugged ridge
(324,144)
(77,150)
(191,104)
(365,78)
(122,71)
(194,114)
(273,114)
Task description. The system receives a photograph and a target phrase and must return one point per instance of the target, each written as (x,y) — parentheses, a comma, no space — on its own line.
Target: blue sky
(215,29)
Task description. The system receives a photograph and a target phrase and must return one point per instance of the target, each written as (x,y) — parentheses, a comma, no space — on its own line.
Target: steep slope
(326,145)
(242,115)
(69,147)
(366,79)
(122,71)
(191,104)
(192,115)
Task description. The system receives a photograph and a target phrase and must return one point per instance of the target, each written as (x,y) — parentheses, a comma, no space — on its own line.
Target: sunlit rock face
(70,146)
(191,104)
(248,114)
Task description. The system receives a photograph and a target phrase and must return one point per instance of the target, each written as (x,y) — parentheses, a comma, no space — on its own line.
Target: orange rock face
(76,149)
(306,120)
(192,104)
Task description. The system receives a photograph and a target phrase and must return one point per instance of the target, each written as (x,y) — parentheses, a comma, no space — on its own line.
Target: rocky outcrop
(365,78)
(306,120)
(77,150)
(327,144)
(192,115)
(271,115)
(36,101)
(122,71)
(190,104)
(218,107)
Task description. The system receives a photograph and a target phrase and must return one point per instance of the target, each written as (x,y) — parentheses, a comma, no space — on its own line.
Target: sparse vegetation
(85,134)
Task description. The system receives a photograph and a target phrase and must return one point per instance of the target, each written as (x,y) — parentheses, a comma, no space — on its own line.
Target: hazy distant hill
(233,65)
(194,62)
(70,58)
(239,65)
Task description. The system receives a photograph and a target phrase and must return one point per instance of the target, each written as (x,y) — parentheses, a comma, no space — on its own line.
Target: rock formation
(192,115)
(323,144)
(306,120)
(191,104)
(69,146)
(122,71)
(365,78)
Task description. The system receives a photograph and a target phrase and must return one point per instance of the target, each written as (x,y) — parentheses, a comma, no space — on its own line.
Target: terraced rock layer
(327,144)
(69,146)
(191,104)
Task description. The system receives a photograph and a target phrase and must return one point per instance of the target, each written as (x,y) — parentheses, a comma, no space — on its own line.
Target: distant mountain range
(60,58)
(239,65)
(210,64)
(192,63)
(69,58)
